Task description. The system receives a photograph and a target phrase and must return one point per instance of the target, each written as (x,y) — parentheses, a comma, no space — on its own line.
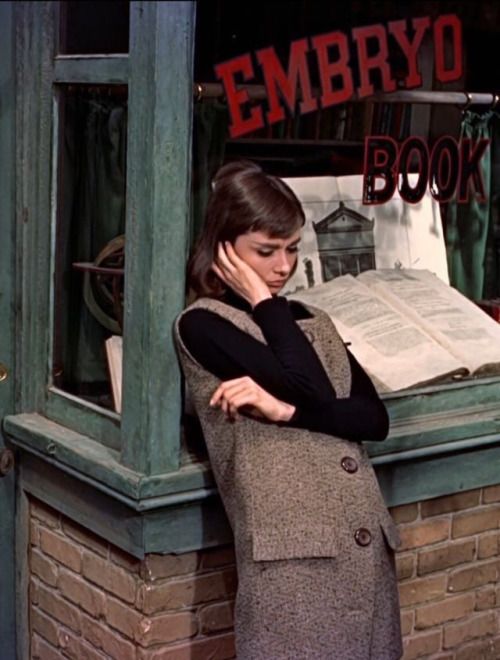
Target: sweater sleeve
(288,368)
(361,416)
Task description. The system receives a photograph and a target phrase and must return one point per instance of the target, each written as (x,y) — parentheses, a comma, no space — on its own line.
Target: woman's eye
(294,248)
(265,253)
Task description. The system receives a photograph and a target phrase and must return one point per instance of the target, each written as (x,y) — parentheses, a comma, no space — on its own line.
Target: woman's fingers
(224,269)
(245,398)
(224,404)
(219,273)
(223,257)
(237,274)
(233,394)
(231,406)
(231,263)
(242,392)
(230,390)
(227,398)
(220,265)
(218,268)
(227,385)
(232,256)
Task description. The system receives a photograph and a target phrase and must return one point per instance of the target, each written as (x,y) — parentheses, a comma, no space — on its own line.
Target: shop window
(460,242)
(90,225)
(94,27)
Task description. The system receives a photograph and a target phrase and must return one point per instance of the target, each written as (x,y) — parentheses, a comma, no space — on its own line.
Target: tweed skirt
(335,608)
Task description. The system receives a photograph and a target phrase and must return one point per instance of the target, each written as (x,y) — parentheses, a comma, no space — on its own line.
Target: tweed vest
(285,490)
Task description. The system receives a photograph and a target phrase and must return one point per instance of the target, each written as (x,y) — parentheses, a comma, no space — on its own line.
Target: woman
(284,406)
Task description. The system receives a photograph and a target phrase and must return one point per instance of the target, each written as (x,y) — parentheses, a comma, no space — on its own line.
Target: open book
(408,328)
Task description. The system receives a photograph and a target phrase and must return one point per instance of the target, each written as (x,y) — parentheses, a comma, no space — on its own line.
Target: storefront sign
(448,168)
(332,57)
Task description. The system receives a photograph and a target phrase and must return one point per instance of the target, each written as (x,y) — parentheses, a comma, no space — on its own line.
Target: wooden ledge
(99,466)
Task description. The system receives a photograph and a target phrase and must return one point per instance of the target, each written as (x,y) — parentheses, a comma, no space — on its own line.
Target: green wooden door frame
(7,335)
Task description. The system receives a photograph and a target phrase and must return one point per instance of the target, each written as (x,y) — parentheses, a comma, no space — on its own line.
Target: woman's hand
(234,394)
(238,275)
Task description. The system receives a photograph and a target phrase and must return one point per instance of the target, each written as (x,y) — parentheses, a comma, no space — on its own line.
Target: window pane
(94,27)
(320,151)
(88,283)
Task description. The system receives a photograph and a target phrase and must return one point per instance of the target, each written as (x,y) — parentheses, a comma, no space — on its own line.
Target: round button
(349,464)
(363,536)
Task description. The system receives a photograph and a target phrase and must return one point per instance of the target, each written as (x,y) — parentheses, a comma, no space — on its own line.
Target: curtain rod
(257,92)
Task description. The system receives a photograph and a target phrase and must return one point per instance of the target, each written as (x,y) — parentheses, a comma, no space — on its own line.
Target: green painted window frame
(146,437)
(9,610)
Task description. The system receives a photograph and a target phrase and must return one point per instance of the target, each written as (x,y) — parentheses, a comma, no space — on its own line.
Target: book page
(114,353)
(454,321)
(392,348)
(343,236)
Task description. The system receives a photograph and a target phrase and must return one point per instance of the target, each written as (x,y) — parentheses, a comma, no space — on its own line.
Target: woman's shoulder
(207,328)
(205,308)
(204,317)
(196,327)
(199,310)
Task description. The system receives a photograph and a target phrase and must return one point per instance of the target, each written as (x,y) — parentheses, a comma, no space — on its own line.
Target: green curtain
(92,213)
(472,263)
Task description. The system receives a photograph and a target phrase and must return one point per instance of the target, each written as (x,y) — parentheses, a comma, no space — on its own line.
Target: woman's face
(273,259)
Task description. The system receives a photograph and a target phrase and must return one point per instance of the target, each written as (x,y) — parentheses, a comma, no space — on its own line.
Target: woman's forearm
(353,419)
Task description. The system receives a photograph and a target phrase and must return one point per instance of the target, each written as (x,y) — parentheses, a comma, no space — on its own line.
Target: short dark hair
(244,198)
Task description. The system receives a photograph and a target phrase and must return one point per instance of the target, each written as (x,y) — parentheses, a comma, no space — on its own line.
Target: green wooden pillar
(7,333)
(34,61)
(158,190)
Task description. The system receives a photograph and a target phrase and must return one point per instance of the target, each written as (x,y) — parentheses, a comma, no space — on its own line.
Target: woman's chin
(275,288)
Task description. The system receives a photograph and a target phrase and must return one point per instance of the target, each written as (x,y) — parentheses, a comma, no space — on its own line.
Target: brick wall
(448,576)
(90,601)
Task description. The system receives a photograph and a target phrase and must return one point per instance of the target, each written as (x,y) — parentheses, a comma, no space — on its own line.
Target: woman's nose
(283,264)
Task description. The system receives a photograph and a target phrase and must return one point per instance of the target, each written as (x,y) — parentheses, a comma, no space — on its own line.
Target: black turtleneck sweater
(287,367)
